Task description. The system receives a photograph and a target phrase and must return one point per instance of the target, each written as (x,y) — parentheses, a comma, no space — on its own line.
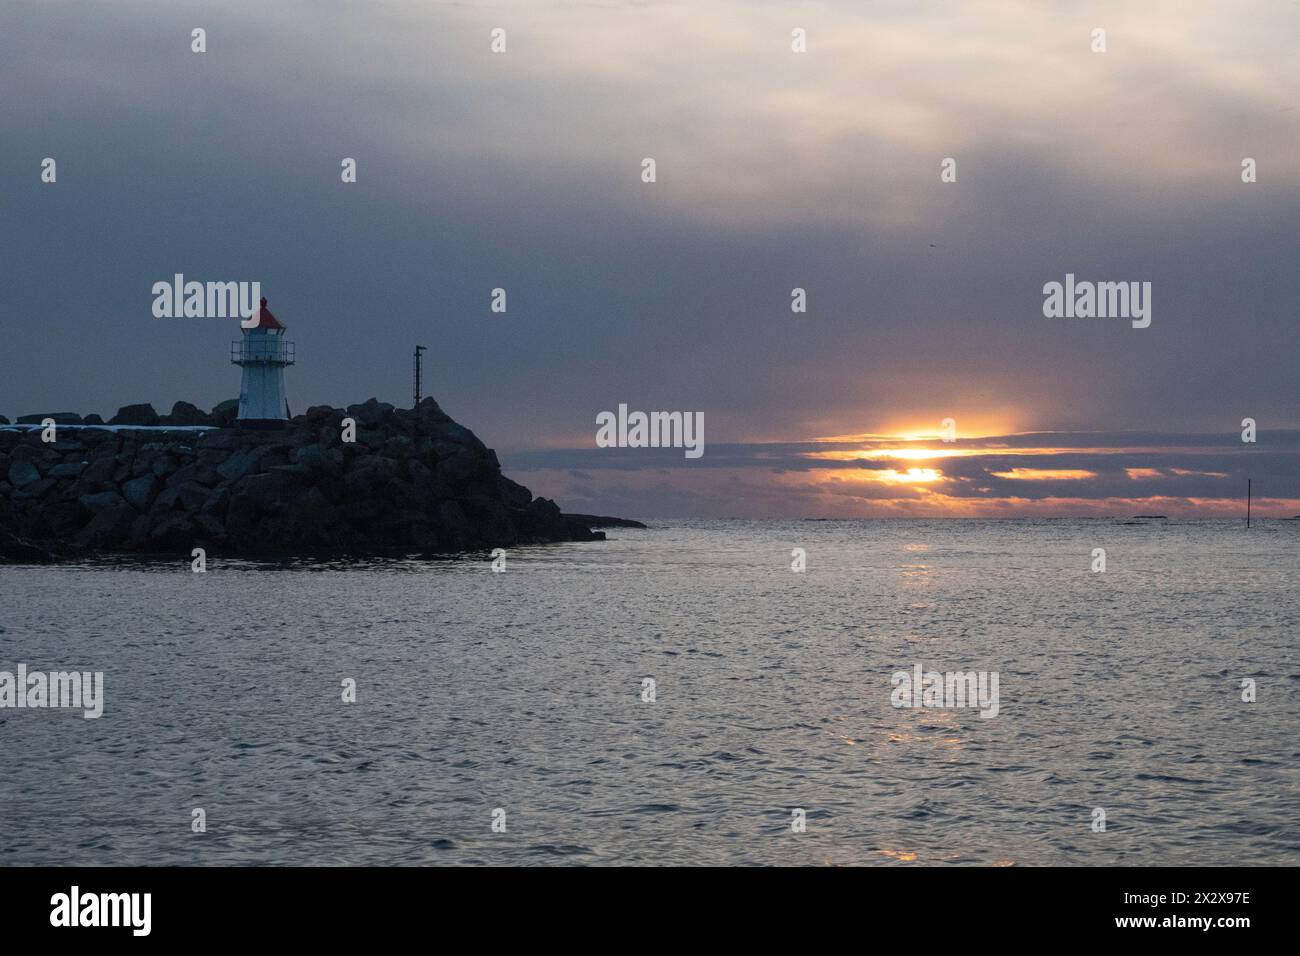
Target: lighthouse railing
(269,352)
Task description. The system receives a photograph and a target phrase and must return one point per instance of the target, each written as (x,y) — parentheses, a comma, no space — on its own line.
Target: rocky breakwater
(412,482)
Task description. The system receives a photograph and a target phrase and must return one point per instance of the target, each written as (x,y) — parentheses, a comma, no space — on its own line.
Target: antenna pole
(419,373)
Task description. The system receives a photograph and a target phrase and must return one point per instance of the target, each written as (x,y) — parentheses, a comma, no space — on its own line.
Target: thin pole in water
(1247,502)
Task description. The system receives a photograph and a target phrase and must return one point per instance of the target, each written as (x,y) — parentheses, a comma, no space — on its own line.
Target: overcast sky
(775,170)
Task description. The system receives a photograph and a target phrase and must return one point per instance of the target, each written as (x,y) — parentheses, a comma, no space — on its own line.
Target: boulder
(59,418)
(458,467)
(271,492)
(135,415)
(139,492)
(183,413)
(102,501)
(452,520)
(371,412)
(163,465)
(428,414)
(513,493)
(23,473)
(37,489)
(216,502)
(318,458)
(197,472)
(34,452)
(241,515)
(103,469)
(319,415)
(224,413)
(191,496)
(210,526)
(109,528)
(368,475)
(172,532)
(456,434)
(241,464)
(62,517)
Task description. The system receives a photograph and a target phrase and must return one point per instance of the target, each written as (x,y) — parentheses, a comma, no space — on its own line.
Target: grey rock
(33,452)
(370,412)
(368,475)
(191,496)
(223,440)
(458,467)
(428,414)
(143,414)
(23,473)
(210,527)
(318,458)
(198,472)
(217,501)
(398,447)
(225,412)
(456,434)
(513,493)
(183,413)
(62,517)
(109,528)
(270,492)
(163,465)
(37,489)
(241,514)
(139,492)
(102,501)
(168,499)
(452,519)
(59,418)
(241,464)
(172,532)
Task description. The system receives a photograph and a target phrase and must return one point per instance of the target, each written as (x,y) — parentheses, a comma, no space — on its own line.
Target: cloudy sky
(775,170)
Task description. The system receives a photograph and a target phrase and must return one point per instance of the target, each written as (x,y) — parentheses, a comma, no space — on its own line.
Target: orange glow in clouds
(1046,474)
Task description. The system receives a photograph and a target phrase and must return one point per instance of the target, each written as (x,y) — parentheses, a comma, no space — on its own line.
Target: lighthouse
(263,355)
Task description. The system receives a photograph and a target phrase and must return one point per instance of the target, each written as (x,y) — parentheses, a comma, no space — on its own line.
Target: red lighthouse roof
(265,320)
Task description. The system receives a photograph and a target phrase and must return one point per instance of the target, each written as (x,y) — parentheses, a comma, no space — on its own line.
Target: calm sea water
(522,691)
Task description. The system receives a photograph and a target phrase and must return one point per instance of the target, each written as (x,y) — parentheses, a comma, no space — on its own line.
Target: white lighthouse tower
(263,354)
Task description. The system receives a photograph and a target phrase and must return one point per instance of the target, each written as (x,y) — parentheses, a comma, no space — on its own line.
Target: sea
(679,695)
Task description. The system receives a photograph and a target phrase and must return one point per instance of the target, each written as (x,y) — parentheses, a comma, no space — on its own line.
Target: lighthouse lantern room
(263,354)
